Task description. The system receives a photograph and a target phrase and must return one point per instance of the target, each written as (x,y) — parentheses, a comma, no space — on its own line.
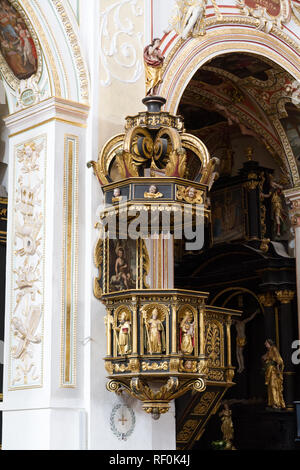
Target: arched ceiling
(245,95)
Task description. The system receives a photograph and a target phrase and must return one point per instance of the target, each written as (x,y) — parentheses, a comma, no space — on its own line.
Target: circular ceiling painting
(16,43)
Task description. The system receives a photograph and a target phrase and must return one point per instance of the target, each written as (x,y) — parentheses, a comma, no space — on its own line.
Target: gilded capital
(285,296)
(267,299)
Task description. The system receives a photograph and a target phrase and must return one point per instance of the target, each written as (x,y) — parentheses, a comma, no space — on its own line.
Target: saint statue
(240,326)
(187,333)
(227,427)
(188,18)
(155,333)
(152,193)
(124,336)
(195,13)
(273,365)
(153,60)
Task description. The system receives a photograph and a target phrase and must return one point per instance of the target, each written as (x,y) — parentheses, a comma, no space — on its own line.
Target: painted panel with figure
(228,220)
(122,265)
(16,43)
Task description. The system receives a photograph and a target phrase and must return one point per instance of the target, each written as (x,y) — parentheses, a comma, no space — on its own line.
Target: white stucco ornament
(122,421)
(121,42)
(269,12)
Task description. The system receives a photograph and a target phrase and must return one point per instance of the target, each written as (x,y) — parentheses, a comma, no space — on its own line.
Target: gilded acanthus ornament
(25,330)
(269,13)
(187,326)
(161,341)
(285,296)
(152,193)
(27,309)
(278,213)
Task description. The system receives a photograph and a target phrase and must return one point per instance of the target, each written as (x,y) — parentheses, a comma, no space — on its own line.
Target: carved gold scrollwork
(217,375)
(252,182)
(155,366)
(155,401)
(121,368)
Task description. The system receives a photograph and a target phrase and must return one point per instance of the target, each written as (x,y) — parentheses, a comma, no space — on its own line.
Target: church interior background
(159,108)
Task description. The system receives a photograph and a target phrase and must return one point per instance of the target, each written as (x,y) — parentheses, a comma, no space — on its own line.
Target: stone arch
(187,57)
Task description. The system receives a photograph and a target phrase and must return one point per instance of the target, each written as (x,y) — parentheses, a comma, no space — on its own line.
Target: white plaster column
(43,404)
(293,197)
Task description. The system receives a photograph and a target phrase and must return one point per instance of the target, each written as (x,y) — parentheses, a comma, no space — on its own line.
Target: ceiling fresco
(16,43)
(241,94)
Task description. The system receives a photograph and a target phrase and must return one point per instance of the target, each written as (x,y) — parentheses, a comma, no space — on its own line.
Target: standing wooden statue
(227,427)
(187,333)
(274,366)
(155,333)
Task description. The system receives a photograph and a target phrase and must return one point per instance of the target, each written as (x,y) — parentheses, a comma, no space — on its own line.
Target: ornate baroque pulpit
(161,341)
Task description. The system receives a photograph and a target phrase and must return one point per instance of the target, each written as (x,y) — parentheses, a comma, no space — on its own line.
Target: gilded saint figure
(188,17)
(153,60)
(155,333)
(273,366)
(278,213)
(187,333)
(227,427)
(124,334)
